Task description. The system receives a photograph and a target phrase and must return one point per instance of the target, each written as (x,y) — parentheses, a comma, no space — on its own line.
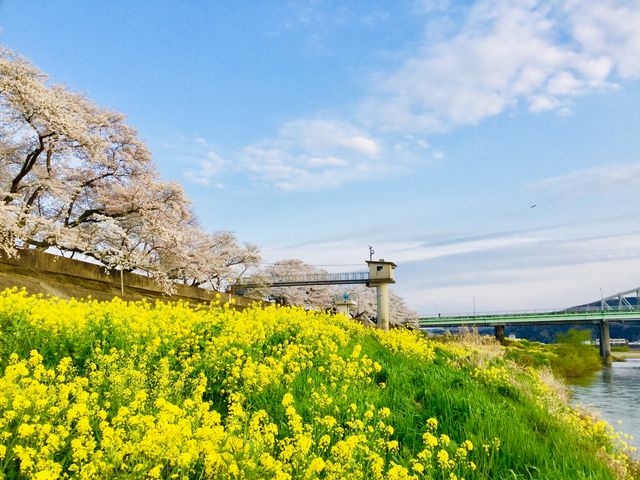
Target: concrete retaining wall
(41,272)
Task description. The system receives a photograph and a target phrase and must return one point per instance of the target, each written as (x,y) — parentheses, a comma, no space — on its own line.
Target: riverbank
(622,356)
(612,394)
(569,358)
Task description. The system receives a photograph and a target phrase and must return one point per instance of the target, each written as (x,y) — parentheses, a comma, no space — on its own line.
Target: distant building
(615,342)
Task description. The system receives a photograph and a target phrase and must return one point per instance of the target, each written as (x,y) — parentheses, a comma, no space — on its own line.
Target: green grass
(533,445)
(620,348)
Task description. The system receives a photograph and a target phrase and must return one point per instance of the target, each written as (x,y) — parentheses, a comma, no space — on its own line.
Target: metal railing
(307,279)
(540,312)
(575,314)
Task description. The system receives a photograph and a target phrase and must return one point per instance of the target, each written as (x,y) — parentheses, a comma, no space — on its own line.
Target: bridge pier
(500,333)
(605,342)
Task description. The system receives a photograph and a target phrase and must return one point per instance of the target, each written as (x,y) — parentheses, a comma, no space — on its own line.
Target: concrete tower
(380,276)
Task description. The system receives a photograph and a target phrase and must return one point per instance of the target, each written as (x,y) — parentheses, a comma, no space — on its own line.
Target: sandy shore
(625,355)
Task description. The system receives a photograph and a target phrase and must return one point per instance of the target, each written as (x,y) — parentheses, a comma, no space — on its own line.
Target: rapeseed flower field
(133,390)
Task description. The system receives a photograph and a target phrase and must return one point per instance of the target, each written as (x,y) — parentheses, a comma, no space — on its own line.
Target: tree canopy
(74,176)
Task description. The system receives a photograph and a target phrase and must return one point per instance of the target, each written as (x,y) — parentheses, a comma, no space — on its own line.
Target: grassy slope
(456,386)
(533,445)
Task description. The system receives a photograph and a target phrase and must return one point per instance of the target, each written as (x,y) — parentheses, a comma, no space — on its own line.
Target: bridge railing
(356,277)
(522,313)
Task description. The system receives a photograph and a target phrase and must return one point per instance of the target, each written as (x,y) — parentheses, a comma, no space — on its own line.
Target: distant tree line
(549,333)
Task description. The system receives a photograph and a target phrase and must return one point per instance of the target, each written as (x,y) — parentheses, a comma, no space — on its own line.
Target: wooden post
(500,334)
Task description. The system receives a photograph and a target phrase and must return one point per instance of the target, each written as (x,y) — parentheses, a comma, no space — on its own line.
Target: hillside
(117,390)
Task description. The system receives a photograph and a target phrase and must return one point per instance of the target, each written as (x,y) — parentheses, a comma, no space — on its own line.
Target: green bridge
(602,318)
(621,307)
(531,318)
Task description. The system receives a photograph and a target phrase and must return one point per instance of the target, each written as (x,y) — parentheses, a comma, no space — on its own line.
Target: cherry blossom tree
(75,176)
(311,297)
(212,260)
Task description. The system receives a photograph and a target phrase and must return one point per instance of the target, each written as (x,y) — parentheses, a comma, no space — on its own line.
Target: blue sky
(427,129)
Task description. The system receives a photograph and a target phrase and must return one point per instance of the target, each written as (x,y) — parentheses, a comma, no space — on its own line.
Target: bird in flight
(534,205)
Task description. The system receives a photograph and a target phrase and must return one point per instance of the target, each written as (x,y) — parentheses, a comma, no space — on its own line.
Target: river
(614,393)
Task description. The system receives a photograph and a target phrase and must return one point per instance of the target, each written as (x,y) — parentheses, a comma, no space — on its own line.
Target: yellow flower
(432,424)
(430,440)
(287,400)
(316,466)
(443,458)
(155,472)
(26,430)
(324,442)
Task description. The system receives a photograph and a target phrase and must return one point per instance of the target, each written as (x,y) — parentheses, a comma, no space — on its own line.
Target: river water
(614,393)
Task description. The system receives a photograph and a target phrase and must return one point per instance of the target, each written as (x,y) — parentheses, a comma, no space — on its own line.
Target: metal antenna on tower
(371,252)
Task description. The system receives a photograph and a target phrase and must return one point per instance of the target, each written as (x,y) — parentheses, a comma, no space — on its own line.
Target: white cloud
(318,153)
(348,251)
(565,270)
(205,163)
(438,155)
(322,135)
(536,53)
(593,180)
(491,57)
(609,29)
